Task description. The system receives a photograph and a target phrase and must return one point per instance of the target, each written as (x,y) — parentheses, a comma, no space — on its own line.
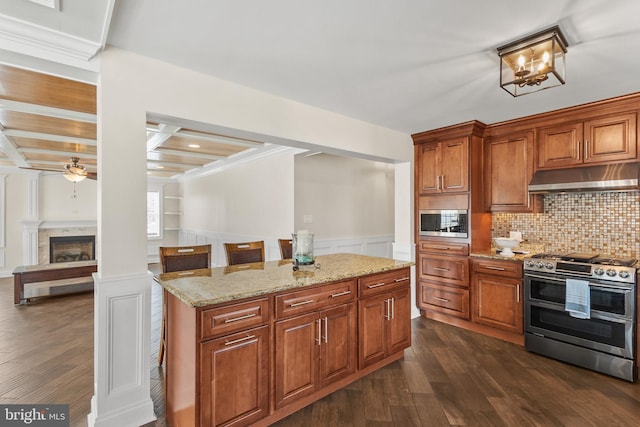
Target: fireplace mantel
(68,223)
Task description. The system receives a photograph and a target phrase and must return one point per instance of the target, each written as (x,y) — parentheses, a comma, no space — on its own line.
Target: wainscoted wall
(606,223)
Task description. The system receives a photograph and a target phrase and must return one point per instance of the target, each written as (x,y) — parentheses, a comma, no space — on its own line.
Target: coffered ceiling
(46,120)
(409,65)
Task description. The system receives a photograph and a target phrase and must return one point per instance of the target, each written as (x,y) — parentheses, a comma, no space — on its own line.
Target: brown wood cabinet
(314,350)
(508,169)
(443,299)
(496,289)
(598,140)
(443,167)
(255,361)
(234,376)
(384,316)
(453,270)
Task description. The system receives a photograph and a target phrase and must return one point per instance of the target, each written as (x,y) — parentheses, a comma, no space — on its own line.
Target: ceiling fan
(74,171)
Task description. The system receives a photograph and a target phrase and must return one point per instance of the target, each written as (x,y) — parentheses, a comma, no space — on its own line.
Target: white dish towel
(578,299)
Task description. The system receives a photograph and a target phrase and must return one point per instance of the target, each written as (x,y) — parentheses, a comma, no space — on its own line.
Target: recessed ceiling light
(193,146)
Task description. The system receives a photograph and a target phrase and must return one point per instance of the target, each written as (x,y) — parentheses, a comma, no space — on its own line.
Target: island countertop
(207,286)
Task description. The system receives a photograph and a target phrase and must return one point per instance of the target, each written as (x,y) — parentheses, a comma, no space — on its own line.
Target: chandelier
(533,63)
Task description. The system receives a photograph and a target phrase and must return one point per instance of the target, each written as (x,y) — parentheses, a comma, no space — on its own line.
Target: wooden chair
(286,248)
(179,258)
(243,253)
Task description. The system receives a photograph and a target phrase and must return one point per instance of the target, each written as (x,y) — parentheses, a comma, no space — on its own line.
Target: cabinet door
(371,329)
(399,324)
(297,343)
(508,171)
(560,146)
(497,302)
(455,165)
(338,348)
(429,168)
(610,139)
(234,378)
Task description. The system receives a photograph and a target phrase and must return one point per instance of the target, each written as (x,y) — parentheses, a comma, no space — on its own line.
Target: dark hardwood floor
(449,377)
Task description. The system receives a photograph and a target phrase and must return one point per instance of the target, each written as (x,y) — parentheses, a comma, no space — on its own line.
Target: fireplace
(72,248)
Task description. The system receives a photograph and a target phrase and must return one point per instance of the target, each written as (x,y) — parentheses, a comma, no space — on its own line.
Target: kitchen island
(250,344)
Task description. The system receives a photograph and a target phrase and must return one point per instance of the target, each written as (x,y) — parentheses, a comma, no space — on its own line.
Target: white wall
(57,201)
(254,199)
(345,197)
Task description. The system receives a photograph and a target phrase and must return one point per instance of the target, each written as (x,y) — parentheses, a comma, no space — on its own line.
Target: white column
(122,285)
(404,245)
(31,223)
(121,352)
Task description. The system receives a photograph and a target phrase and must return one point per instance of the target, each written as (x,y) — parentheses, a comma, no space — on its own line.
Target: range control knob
(531,263)
(540,264)
(624,274)
(599,271)
(549,266)
(611,272)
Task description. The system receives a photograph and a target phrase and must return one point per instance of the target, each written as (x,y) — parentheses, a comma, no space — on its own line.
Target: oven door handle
(535,276)
(610,287)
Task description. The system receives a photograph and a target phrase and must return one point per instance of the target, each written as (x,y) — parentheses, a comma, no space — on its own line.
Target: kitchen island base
(255,360)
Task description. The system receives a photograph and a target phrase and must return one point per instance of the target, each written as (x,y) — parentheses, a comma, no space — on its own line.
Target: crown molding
(41,42)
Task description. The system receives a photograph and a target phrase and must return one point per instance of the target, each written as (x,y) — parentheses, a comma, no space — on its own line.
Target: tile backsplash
(606,223)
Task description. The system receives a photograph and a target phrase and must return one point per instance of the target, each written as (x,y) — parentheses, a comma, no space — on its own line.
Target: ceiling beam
(48,137)
(219,139)
(9,148)
(164,132)
(68,154)
(188,154)
(42,110)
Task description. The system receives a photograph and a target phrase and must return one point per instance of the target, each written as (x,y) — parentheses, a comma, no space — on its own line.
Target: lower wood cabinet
(255,361)
(444,299)
(496,289)
(312,351)
(385,326)
(234,378)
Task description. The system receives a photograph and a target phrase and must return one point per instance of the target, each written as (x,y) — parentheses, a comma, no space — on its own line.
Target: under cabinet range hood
(613,177)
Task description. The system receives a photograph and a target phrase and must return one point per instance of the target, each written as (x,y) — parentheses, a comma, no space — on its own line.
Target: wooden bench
(53,279)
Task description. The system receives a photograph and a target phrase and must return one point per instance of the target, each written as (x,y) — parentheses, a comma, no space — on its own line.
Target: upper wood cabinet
(599,140)
(508,162)
(443,167)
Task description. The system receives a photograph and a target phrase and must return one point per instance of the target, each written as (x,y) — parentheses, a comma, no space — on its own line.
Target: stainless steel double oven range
(605,341)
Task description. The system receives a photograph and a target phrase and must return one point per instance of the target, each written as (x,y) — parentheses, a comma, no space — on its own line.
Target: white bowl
(506,244)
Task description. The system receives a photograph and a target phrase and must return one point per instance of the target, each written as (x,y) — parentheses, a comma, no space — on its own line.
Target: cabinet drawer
(309,300)
(378,283)
(451,270)
(498,268)
(445,248)
(444,299)
(232,318)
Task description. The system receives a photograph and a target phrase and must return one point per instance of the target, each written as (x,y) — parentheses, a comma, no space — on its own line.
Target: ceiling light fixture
(534,62)
(74,177)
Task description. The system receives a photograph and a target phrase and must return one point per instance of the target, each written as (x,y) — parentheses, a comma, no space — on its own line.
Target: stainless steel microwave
(444,223)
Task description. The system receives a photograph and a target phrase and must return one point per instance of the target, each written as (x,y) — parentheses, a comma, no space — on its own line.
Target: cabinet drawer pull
(488,267)
(339,294)
(377,285)
(441,269)
(403,279)
(239,340)
(296,304)
(443,248)
(440,299)
(235,319)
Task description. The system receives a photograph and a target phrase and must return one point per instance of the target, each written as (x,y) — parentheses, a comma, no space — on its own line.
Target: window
(154,214)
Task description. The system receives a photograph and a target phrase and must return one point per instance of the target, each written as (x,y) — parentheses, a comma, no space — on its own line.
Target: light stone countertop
(199,288)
